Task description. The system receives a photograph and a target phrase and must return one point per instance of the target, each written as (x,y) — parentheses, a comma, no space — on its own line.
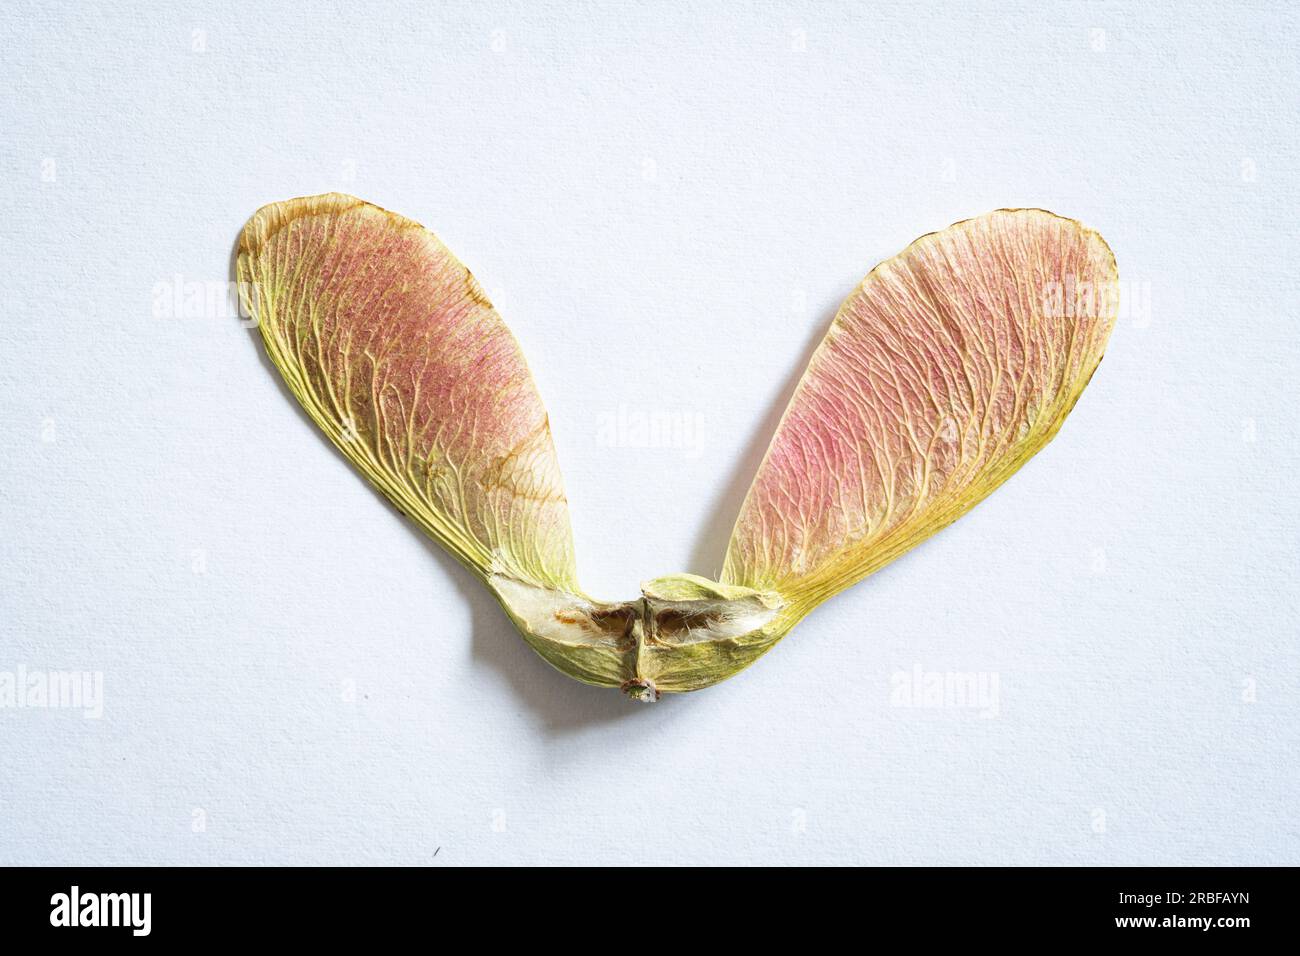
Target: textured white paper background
(667,203)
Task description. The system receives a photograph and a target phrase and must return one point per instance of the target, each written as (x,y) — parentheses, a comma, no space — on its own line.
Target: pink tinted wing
(391,346)
(946,370)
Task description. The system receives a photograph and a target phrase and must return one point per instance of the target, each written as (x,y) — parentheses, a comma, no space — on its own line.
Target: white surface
(666,206)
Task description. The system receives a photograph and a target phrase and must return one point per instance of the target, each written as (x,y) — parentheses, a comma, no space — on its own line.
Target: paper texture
(667,204)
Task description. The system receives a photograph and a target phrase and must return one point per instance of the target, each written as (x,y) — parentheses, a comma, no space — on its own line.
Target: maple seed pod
(949,367)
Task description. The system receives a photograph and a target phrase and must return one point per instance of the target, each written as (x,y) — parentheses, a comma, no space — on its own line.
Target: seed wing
(945,371)
(392,348)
